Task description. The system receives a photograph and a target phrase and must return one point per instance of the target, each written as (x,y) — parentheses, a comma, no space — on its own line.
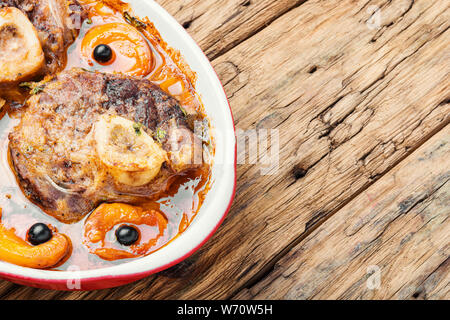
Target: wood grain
(378,110)
(399,225)
(219,25)
(350,103)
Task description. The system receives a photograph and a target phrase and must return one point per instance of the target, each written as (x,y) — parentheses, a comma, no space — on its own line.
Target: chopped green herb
(137,128)
(184,111)
(34,87)
(28,85)
(160,134)
(133,21)
(87,70)
(37,89)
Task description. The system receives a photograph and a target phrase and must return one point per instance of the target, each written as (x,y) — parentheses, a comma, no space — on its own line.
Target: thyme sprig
(133,21)
(35,87)
(137,128)
(160,134)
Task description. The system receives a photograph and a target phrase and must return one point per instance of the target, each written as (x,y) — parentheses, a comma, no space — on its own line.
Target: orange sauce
(138,51)
(168,68)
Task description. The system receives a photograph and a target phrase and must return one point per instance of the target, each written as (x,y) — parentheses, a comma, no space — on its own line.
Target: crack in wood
(269,267)
(427,196)
(214,55)
(421,291)
(391,23)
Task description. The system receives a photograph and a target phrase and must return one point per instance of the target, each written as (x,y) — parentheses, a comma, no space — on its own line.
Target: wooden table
(358,208)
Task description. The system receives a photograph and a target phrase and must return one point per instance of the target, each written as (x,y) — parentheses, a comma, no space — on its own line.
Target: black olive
(39,233)
(103,53)
(127,235)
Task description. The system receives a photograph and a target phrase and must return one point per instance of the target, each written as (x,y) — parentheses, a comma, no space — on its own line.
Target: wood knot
(417,294)
(299,172)
(187,24)
(312,69)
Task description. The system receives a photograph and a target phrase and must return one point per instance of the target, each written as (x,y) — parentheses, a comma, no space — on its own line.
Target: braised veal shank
(53,148)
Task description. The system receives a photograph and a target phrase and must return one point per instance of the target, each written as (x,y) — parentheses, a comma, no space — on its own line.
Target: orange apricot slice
(131,52)
(150,223)
(17,251)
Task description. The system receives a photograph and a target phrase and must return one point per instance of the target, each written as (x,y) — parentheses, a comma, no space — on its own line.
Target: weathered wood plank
(218,26)
(392,94)
(399,228)
(350,102)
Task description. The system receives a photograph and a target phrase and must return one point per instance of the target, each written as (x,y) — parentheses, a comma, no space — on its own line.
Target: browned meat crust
(57,23)
(52,150)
